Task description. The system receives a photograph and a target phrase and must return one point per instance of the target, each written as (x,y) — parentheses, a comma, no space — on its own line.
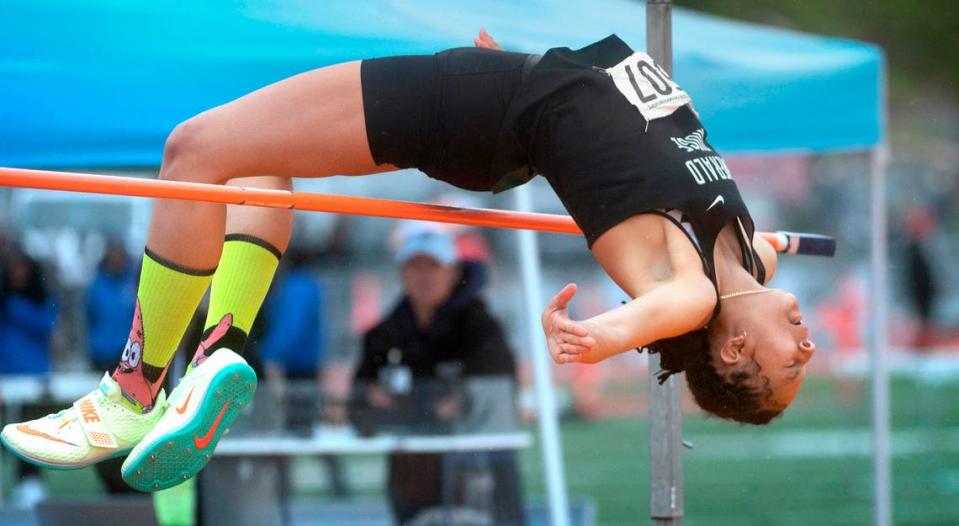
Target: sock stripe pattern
(175,267)
(256,241)
(242,280)
(166,300)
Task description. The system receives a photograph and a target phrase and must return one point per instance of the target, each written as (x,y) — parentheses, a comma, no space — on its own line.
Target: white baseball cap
(428,242)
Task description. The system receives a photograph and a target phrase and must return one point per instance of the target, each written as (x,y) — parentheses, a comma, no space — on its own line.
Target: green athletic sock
(176,506)
(239,287)
(166,299)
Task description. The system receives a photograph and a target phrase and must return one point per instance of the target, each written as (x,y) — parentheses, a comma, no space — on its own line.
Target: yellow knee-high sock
(239,287)
(166,299)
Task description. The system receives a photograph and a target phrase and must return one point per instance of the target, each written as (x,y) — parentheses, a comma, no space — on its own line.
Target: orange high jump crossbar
(340,204)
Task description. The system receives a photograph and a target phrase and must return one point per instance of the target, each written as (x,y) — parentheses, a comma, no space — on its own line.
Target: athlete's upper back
(617,137)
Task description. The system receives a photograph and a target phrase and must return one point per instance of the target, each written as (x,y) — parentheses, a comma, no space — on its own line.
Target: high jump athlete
(613,134)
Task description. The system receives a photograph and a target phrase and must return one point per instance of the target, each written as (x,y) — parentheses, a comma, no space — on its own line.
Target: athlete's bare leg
(272,225)
(310,125)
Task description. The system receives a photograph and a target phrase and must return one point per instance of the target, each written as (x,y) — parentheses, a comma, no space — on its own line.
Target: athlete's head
(749,363)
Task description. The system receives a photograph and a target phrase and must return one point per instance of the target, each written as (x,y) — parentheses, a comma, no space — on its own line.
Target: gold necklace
(743,293)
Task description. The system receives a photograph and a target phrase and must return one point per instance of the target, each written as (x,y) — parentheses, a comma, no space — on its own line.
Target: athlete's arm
(679,306)
(767,254)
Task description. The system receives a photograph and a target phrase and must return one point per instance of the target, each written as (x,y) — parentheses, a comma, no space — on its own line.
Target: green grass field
(810,467)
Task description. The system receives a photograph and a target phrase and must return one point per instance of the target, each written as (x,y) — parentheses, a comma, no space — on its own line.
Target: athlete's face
(769,329)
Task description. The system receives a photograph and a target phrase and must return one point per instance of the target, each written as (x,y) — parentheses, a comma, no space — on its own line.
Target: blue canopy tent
(99,84)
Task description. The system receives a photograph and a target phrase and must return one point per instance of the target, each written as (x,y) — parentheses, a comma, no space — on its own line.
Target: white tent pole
(545,401)
(882,472)
(665,409)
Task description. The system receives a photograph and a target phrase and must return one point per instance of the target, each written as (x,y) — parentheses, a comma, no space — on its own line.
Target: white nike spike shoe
(200,409)
(97,427)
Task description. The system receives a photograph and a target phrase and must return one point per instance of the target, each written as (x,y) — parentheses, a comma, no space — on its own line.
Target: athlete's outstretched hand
(484,40)
(566,339)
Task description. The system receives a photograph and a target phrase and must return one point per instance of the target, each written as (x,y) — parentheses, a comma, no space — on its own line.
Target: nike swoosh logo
(24,428)
(202,442)
(182,408)
(719,200)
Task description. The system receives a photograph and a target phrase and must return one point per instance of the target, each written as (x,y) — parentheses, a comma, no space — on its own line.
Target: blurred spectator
(438,333)
(110,303)
(6,244)
(921,284)
(293,349)
(27,318)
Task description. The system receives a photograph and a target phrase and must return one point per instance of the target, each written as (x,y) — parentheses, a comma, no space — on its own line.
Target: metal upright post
(879,345)
(546,401)
(665,411)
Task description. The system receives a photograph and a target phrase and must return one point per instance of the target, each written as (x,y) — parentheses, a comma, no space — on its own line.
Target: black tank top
(607,161)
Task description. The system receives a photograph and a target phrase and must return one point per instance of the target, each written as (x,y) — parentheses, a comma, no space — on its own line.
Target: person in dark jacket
(293,344)
(27,318)
(438,332)
(110,304)
(922,288)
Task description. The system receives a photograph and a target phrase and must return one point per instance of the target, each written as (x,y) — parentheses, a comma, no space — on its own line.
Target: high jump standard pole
(879,340)
(531,272)
(665,411)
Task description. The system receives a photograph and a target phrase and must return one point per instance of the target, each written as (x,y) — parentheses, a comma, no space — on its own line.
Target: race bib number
(648,87)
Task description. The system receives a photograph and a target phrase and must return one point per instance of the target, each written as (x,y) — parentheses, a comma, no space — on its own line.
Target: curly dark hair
(732,395)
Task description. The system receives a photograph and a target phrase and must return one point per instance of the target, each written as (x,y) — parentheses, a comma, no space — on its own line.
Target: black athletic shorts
(489,120)
(441,113)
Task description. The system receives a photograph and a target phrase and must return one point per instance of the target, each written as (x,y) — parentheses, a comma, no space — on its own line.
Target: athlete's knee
(188,154)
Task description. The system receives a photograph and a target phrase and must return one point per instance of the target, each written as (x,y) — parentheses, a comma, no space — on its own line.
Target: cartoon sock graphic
(221,335)
(240,284)
(137,390)
(166,299)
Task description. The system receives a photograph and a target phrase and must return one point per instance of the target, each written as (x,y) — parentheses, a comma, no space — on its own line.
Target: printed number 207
(654,75)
